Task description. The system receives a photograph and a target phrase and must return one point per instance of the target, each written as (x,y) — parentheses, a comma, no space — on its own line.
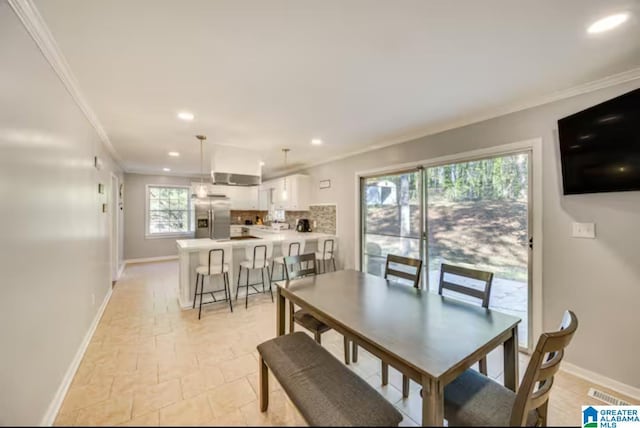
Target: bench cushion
(325,391)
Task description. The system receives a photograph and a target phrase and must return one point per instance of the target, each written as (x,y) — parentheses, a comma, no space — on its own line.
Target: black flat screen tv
(600,147)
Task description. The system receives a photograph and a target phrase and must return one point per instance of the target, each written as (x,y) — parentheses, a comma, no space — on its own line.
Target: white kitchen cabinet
(240,198)
(297,192)
(263,198)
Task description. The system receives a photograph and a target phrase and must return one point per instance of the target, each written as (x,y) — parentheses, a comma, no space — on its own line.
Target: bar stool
(213,263)
(325,252)
(257,257)
(288,249)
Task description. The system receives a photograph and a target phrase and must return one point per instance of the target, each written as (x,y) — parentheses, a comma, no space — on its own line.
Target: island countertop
(262,235)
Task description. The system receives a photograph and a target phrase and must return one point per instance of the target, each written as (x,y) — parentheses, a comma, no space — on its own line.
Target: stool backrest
(259,254)
(293,247)
(216,258)
(486,278)
(327,246)
(534,390)
(293,262)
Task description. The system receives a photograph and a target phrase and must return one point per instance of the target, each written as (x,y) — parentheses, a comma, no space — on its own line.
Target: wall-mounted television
(600,147)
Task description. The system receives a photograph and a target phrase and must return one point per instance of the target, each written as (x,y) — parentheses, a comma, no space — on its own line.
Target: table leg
(511,375)
(280,312)
(432,402)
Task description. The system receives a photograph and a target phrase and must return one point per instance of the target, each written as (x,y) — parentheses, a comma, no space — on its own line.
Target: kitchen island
(189,249)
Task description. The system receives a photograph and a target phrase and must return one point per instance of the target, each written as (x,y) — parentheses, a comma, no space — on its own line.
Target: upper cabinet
(240,198)
(296,197)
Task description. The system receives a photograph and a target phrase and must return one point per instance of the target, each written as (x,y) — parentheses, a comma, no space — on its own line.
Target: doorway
(113,227)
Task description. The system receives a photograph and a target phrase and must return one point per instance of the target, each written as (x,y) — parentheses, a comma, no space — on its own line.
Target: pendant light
(284,189)
(202,189)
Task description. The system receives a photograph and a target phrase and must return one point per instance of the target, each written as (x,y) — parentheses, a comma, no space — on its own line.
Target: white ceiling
(360,73)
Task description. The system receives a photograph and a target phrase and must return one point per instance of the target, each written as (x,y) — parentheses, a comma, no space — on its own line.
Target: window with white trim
(169,211)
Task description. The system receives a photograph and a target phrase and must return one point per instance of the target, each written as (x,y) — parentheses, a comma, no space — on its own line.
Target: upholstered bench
(323,389)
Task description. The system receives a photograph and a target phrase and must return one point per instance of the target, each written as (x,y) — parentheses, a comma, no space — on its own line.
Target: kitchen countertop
(189,245)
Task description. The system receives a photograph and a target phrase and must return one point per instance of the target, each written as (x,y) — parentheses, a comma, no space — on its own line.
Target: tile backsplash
(239,217)
(324,217)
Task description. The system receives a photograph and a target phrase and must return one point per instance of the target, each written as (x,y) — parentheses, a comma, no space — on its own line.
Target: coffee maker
(303,225)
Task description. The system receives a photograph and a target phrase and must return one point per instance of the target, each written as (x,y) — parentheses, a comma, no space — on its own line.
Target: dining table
(428,337)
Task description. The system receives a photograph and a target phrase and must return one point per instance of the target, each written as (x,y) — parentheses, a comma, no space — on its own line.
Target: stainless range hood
(230,179)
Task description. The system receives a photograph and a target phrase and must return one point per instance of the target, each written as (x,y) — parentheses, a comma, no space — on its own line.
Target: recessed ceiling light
(261,163)
(174,154)
(316,141)
(607,23)
(166,169)
(185,115)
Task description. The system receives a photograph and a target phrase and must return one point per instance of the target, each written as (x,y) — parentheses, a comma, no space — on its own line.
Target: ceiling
(263,75)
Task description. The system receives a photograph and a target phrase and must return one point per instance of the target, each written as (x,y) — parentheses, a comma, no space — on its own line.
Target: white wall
(599,279)
(136,245)
(54,256)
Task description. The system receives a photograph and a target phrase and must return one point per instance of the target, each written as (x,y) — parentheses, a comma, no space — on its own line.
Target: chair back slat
(291,262)
(259,254)
(404,261)
(216,257)
(478,275)
(293,247)
(543,365)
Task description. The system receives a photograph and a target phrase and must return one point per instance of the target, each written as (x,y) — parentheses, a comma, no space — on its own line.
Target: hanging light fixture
(284,189)
(202,189)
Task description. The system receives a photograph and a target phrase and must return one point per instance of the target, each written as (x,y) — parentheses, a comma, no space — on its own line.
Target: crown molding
(40,33)
(584,88)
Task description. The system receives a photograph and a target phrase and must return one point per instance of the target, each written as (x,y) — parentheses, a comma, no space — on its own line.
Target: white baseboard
(56,403)
(150,259)
(622,388)
(121,270)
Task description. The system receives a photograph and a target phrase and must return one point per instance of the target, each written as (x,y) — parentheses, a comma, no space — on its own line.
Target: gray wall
(54,256)
(599,279)
(135,244)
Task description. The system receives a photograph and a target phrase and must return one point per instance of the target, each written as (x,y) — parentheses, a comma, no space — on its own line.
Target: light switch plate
(584,230)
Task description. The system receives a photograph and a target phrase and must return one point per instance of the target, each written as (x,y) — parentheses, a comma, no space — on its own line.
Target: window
(169,211)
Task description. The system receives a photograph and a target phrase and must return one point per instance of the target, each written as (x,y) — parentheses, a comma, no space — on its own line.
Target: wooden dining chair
(473,399)
(484,293)
(412,270)
(298,267)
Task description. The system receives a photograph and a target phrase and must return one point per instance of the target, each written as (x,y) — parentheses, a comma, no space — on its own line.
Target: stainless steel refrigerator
(213,218)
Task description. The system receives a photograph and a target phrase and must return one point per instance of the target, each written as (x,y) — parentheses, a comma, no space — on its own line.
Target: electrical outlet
(93,299)
(584,230)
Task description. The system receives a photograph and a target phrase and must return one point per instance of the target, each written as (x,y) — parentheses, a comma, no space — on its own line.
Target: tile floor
(150,363)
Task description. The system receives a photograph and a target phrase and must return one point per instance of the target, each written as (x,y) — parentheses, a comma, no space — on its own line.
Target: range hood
(233,166)
(231,179)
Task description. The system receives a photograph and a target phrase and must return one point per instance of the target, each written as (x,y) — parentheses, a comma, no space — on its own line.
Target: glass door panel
(478,217)
(391,219)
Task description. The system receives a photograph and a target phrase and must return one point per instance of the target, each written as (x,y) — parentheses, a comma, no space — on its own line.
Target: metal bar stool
(325,252)
(213,263)
(288,249)
(257,258)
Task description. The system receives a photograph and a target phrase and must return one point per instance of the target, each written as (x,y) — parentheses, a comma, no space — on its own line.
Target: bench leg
(354,352)
(318,337)
(264,386)
(385,373)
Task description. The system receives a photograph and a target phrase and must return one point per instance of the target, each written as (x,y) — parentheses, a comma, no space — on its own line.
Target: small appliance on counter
(279,226)
(303,225)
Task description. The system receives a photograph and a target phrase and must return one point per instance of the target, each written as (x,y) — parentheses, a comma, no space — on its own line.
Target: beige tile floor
(150,363)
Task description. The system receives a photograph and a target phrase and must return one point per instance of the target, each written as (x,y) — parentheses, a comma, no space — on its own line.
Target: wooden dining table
(430,338)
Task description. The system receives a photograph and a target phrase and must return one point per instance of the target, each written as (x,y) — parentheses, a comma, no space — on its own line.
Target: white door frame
(114,227)
(535,147)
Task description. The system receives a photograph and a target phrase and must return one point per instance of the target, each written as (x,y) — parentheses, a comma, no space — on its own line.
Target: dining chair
(211,264)
(403,268)
(325,252)
(473,399)
(466,275)
(302,317)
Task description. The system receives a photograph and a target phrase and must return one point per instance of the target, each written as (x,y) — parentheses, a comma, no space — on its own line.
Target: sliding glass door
(473,214)
(392,218)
